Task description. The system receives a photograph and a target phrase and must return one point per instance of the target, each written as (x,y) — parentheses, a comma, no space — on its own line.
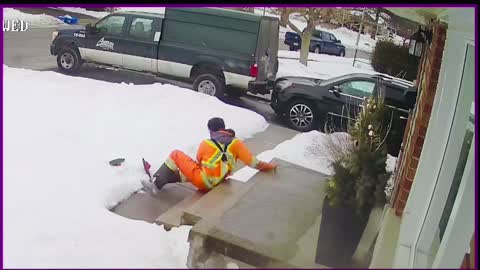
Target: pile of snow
(304,150)
(92,13)
(349,39)
(320,66)
(59,134)
(32,19)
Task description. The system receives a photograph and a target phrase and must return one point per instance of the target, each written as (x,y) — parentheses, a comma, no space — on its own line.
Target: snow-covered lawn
(59,134)
(96,14)
(319,65)
(305,149)
(346,36)
(32,19)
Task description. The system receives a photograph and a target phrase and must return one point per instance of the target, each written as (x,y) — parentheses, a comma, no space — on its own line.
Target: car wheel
(342,53)
(292,48)
(317,49)
(301,115)
(69,60)
(210,84)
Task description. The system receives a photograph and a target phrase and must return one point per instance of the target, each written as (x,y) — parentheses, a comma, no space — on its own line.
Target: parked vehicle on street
(308,103)
(321,42)
(217,49)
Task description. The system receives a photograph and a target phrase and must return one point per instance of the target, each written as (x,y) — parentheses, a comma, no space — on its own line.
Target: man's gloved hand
(264,166)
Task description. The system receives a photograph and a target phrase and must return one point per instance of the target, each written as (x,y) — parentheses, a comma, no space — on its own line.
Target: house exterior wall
(427,80)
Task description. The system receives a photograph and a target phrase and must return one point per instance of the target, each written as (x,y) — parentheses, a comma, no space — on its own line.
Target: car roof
(323,31)
(384,77)
(150,14)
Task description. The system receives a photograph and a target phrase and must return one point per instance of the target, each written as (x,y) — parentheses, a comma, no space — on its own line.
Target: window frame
(357,80)
(125,22)
(130,24)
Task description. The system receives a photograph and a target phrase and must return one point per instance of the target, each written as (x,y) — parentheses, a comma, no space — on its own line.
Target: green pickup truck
(221,51)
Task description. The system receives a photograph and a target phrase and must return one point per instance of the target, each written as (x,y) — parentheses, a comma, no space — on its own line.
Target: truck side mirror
(91,29)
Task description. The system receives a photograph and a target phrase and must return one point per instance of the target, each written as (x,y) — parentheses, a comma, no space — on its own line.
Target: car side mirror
(339,41)
(335,90)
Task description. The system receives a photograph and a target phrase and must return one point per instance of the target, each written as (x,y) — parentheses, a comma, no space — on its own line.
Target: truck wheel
(301,115)
(68,60)
(317,49)
(210,84)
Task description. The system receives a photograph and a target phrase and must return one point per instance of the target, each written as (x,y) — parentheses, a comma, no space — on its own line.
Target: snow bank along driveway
(33,19)
(59,134)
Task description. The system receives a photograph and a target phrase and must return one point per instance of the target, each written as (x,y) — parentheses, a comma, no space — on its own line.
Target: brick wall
(427,79)
(470,258)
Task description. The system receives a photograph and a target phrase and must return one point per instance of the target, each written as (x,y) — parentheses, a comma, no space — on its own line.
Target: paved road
(31,50)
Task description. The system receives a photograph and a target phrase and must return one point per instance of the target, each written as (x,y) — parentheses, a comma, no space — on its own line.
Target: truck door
(267,49)
(104,43)
(139,48)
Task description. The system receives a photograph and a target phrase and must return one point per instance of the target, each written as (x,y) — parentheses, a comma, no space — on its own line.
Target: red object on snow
(146,167)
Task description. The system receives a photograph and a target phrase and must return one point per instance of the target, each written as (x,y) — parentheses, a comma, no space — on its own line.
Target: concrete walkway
(271,221)
(143,206)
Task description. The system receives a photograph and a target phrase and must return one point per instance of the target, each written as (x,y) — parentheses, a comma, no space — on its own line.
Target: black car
(309,103)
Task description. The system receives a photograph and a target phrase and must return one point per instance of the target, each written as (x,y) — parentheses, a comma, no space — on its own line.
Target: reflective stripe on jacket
(214,169)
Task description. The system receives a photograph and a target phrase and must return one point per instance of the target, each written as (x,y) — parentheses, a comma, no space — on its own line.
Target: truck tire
(317,49)
(69,60)
(210,84)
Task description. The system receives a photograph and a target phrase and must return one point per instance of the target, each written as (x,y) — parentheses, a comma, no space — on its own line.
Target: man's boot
(160,178)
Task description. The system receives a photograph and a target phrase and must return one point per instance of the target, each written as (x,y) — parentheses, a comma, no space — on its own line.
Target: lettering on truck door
(105,44)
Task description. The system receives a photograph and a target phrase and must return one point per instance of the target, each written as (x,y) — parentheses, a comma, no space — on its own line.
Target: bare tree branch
(294,28)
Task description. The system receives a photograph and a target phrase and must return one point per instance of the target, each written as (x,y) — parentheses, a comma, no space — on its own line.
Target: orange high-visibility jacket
(214,169)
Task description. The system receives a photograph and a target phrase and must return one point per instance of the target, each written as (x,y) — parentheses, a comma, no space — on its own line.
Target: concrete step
(215,202)
(201,205)
(173,216)
(271,223)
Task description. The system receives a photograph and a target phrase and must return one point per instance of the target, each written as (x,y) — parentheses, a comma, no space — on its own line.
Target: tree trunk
(284,16)
(377,17)
(306,37)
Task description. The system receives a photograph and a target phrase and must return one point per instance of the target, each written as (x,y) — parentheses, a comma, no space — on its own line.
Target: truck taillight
(253,70)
